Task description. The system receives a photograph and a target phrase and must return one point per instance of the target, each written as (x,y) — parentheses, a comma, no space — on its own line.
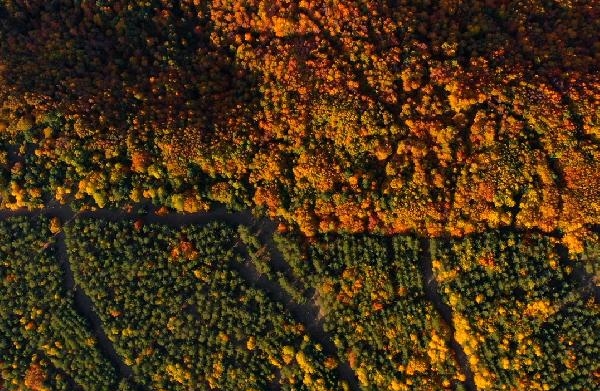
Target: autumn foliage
(390,116)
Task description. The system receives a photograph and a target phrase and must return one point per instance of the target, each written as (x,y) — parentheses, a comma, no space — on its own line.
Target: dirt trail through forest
(85,307)
(433,295)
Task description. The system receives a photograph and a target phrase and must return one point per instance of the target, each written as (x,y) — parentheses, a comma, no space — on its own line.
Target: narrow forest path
(432,294)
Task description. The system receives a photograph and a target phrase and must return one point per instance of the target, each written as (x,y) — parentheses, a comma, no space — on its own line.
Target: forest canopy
(203,307)
(430,171)
(354,116)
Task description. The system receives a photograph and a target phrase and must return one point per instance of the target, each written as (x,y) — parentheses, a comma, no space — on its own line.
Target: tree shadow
(126,74)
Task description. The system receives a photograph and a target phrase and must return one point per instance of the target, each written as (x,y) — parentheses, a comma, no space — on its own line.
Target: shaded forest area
(435,117)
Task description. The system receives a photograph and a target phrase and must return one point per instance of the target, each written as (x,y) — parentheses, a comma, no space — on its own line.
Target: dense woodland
(432,166)
(389,116)
(371,293)
(181,315)
(523,318)
(187,308)
(44,343)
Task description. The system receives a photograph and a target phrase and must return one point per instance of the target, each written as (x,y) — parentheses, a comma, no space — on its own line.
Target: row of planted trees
(519,309)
